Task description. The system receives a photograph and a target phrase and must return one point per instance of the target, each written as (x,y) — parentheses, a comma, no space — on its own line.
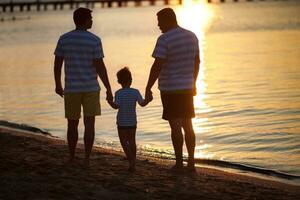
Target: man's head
(83,18)
(166,19)
(124,77)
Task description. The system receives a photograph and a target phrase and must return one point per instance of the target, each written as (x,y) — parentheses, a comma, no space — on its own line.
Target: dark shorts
(126,127)
(177,106)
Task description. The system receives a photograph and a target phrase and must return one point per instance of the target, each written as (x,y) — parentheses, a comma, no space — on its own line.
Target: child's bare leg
(132,142)
(123,135)
(132,145)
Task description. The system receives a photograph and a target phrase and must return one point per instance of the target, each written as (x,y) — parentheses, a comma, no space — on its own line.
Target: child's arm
(113,105)
(146,101)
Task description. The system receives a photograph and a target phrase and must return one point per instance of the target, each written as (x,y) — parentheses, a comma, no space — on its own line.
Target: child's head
(124,77)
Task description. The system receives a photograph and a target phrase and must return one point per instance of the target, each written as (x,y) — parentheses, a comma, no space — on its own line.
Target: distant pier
(60,5)
(40,5)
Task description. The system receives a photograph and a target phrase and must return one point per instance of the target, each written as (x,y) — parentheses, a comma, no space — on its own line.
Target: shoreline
(226,166)
(34,166)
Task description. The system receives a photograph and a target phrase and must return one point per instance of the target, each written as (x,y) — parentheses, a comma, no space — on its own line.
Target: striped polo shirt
(178,47)
(126,99)
(79,48)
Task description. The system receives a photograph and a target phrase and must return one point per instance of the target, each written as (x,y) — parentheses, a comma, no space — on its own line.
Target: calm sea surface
(248,102)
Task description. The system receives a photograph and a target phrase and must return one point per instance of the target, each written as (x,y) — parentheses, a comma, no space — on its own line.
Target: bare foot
(177,168)
(131,169)
(191,166)
(191,169)
(131,166)
(72,162)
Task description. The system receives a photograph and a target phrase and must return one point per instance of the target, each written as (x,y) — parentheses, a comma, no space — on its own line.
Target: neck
(172,27)
(81,28)
(125,86)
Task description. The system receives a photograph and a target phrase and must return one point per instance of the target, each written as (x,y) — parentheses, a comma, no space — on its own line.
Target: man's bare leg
(72,136)
(177,140)
(190,141)
(89,135)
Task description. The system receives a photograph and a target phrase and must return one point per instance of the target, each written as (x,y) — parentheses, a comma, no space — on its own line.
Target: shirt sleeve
(160,50)
(98,51)
(139,97)
(117,99)
(59,50)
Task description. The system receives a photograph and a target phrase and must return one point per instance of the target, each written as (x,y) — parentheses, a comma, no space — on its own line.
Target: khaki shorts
(90,102)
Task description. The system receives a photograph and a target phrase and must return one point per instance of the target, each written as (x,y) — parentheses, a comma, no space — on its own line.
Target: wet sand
(35,166)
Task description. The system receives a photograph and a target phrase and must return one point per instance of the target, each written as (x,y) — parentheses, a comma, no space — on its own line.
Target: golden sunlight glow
(196,16)
(201,151)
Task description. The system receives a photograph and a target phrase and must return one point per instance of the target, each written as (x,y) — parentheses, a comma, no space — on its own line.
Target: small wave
(248,168)
(23,127)
(169,155)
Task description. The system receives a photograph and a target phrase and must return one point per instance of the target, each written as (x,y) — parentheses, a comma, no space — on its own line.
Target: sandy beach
(34,166)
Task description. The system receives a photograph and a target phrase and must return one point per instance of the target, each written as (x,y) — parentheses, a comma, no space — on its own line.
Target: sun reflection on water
(197,16)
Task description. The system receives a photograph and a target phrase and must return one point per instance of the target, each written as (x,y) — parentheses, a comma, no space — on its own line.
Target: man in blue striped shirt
(176,67)
(82,53)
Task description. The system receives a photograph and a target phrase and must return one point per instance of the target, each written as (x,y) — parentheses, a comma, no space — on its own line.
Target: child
(125,101)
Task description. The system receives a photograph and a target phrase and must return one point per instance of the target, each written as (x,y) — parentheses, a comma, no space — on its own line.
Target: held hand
(149,98)
(109,96)
(59,91)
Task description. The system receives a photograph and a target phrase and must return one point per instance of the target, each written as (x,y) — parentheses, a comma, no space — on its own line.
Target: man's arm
(113,105)
(58,62)
(101,70)
(154,73)
(196,71)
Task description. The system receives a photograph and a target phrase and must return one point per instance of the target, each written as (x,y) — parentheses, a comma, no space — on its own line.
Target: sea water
(248,90)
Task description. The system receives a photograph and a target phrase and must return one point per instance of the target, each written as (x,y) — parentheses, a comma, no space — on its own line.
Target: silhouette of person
(176,67)
(125,101)
(82,53)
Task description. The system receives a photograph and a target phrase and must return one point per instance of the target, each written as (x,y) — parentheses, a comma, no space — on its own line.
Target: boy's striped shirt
(126,99)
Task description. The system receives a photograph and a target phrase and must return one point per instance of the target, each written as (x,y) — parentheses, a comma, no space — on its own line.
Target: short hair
(167,14)
(124,76)
(80,16)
